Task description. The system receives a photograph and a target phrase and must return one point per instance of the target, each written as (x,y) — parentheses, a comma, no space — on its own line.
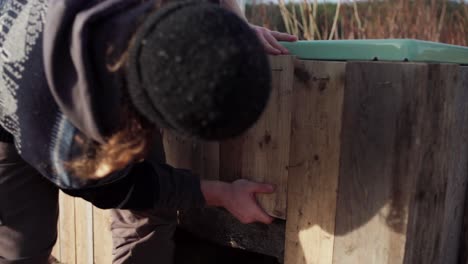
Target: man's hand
(270,39)
(238,198)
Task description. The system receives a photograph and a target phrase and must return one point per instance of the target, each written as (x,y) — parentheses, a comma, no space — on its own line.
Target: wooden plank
(199,156)
(180,152)
(84,232)
(67,229)
(208,167)
(435,218)
(456,151)
(262,153)
(230,161)
(463,254)
(102,239)
(379,151)
(398,178)
(314,159)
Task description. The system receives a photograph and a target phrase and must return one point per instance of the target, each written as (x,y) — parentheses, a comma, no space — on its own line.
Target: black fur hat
(198,69)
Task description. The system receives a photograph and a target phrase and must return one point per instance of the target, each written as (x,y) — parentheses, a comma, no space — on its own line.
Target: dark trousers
(29,213)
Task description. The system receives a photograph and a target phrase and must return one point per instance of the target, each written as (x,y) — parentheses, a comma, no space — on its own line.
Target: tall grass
(434,20)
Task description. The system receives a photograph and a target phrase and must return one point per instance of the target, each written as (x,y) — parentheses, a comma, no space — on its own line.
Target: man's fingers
(264,218)
(283,36)
(273,42)
(269,48)
(264,188)
(270,40)
(261,215)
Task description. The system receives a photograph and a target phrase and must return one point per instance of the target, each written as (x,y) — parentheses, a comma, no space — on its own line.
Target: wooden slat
(180,152)
(262,153)
(209,160)
(454,150)
(102,236)
(463,254)
(314,159)
(200,157)
(379,150)
(230,161)
(67,229)
(84,232)
(435,214)
(398,177)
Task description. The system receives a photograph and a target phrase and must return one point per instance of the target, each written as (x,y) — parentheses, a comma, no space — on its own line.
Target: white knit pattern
(21,23)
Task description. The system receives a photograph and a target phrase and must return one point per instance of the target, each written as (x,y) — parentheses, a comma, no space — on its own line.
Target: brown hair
(129,144)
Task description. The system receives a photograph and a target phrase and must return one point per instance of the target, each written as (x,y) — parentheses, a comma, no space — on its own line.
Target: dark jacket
(56,91)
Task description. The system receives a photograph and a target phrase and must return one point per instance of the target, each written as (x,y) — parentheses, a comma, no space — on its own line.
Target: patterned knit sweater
(54,77)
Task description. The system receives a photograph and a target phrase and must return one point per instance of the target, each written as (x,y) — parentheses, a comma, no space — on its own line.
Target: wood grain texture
(376,172)
(208,167)
(399,183)
(200,157)
(180,152)
(314,160)
(67,229)
(262,153)
(463,254)
(102,238)
(84,232)
(436,215)
(454,80)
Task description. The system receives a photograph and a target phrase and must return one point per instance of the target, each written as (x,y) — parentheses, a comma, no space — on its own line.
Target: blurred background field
(443,21)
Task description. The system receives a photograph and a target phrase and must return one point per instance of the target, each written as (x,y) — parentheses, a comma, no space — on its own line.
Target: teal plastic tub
(379,49)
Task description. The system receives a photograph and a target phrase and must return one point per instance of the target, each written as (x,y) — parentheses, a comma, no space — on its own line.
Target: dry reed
(434,20)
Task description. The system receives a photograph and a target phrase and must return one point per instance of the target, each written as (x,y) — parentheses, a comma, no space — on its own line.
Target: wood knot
(301,75)
(266,139)
(322,82)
